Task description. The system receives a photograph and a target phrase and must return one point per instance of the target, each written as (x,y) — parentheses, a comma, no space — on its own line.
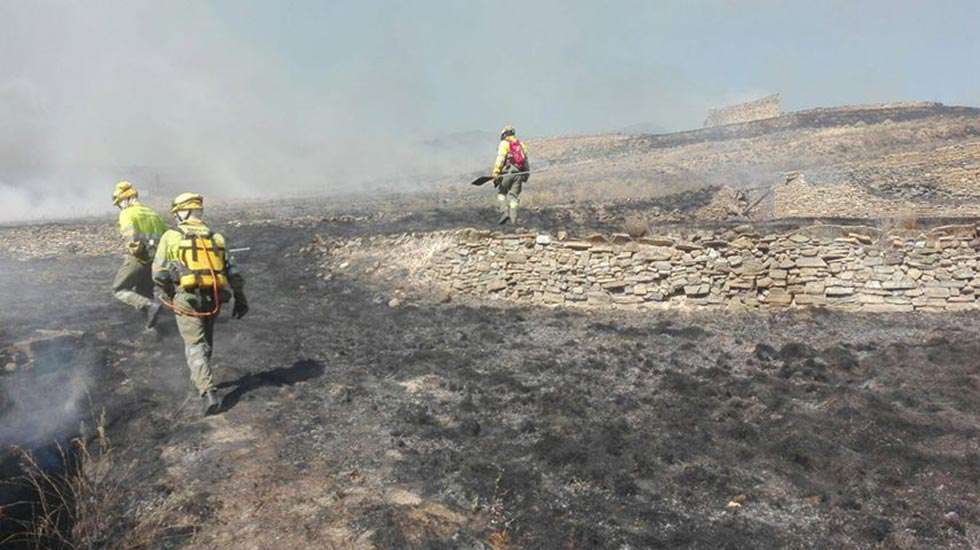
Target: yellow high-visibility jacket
(503,155)
(137,221)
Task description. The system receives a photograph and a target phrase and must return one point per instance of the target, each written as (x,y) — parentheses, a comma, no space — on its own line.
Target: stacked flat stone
(851,268)
(759,109)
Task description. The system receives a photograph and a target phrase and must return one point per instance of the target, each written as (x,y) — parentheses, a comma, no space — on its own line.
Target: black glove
(137,248)
(240,309)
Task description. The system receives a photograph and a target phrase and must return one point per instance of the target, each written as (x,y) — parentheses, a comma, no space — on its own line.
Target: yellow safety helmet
(187,201)
(507,131)
(124,190)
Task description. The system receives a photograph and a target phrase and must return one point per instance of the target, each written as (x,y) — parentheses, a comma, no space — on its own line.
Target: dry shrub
(904,220)
(636,227)
(500,521)
(416,253)
(499,540)
(893,226)
(908,221)
(86,505)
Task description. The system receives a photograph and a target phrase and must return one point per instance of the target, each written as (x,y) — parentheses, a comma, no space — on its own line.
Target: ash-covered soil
(458,425)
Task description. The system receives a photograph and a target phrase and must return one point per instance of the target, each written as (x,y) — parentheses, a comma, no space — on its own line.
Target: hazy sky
(582,66)
(267,96)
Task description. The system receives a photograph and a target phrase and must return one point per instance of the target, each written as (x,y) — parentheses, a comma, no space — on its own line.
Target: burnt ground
(350,423)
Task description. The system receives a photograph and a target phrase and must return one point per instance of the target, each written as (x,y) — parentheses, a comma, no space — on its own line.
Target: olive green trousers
(133,284)
(198,336)
(509,193)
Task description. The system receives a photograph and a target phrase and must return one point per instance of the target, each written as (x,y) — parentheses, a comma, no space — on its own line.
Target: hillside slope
(920,155)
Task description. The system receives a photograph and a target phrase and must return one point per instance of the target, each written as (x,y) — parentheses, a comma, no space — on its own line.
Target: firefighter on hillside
(511,170)
(194,272)
(142,228)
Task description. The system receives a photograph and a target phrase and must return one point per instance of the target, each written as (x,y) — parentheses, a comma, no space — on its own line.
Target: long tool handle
(483,179)
(756,203)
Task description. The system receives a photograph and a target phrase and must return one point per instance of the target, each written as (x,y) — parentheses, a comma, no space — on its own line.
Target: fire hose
(215,292)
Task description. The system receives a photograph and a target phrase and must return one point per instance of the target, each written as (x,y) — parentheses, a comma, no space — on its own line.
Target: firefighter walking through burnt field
(196,275)
(141,227)
(510,172)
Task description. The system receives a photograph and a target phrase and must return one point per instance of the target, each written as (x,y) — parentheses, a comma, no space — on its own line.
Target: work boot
(212,405)
(503,218)
(152,314)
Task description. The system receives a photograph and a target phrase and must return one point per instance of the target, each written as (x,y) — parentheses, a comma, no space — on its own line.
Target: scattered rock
(836,291)
(953,519)
(577,245)
(496,285)
(811,262)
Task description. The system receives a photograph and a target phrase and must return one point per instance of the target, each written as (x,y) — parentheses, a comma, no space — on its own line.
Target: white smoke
(95,92)
(39,409)
(248,98)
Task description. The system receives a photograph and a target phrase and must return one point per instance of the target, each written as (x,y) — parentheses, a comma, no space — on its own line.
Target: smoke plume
(243,98)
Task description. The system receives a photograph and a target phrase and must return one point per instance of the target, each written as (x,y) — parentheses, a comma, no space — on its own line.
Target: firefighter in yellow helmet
(195,273)
(511,170)
(141,227)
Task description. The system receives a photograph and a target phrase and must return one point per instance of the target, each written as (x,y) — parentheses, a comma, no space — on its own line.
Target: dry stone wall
(766,107)
(852,268)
